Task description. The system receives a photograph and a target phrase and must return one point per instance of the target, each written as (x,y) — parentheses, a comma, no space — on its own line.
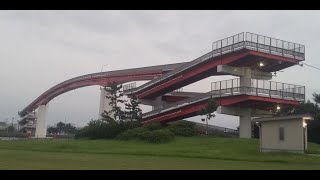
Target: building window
(281,133)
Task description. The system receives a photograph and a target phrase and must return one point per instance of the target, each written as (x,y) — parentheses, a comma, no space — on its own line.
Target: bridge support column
(245,124)
(104,102)
(158,103)
(245,115)
(155,103)
(245,127)
(41,126)
(245,85)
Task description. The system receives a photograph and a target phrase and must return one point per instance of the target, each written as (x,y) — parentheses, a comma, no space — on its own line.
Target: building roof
(282,118)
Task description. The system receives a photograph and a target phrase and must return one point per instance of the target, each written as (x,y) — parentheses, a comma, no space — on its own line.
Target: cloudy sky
(39,49)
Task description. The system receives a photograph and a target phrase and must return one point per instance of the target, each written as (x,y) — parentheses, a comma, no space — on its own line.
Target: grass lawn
(182,153)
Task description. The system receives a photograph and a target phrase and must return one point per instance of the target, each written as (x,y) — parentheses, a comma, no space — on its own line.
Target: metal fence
(258,43)
(178,90)
(259,88)
(129,86)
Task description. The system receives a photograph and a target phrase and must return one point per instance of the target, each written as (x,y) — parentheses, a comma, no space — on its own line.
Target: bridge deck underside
(165,115)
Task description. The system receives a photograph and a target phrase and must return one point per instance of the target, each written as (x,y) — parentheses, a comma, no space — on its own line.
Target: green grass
(182,153)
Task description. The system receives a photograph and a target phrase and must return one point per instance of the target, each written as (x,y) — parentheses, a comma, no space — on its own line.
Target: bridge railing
(257,87)
(275,46)
(258,43)
(178,90)
(129,86)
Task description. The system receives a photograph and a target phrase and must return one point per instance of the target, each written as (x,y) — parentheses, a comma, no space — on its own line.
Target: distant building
(3,126)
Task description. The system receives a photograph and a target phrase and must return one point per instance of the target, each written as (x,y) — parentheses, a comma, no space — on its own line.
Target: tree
(60,127)
(316,98)
(133,110)
(310,108)
(52,130)
(11,129)
(115,95)
(209,110)
(68,128)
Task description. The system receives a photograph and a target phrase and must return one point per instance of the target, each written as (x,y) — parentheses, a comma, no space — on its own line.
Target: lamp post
(7,127)
(104,65)
(108,65)
(207,132)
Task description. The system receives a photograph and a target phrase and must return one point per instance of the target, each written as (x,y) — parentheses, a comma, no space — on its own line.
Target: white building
(287,133)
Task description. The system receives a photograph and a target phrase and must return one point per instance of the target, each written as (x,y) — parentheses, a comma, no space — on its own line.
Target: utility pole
(12,124)
(7,127)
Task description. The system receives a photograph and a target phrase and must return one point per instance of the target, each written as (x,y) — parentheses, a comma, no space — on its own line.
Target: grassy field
(182,153)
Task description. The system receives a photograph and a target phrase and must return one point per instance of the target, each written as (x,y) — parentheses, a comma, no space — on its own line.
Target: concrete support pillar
(158,103)
(41,126)
(245,115)
(245,127)
(245,124)
(104,102)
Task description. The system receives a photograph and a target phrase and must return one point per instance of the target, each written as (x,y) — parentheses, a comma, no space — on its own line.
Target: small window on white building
(281,133)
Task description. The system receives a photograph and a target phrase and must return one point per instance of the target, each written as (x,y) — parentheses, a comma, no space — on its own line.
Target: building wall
(293,136)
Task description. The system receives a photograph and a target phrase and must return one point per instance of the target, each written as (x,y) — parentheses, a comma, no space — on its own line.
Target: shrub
(183,128)
(159,136)
(135,133)
(145,134)
(98,129)
(153,126)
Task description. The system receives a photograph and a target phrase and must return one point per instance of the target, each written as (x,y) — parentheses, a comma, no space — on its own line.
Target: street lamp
(206,124)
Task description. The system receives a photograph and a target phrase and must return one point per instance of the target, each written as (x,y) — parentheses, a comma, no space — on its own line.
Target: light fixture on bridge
(278,107)
(261,64)
(304,124)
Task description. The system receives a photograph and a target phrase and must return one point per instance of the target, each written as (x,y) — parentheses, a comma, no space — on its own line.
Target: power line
(311,66)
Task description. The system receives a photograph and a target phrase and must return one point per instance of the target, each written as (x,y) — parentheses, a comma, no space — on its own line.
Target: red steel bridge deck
(241,50)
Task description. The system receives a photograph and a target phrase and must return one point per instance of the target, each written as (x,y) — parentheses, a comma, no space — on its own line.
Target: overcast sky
(39,49)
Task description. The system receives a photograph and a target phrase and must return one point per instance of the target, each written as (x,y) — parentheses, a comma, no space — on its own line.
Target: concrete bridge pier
(104,102)
(245,130)
(41,126)
(244,117)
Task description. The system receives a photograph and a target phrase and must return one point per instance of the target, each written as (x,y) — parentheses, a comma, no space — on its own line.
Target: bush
(153,126)
(98,129)
(145,134)
(183,128)
(135,133)
(158,136)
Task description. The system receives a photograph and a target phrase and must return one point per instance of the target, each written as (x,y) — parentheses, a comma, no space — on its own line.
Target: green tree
(52,130)
(209,110)
(133,110)
(316,98)
(11,129)
(115,96)
(60,127)
(68,128)
(310,108)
